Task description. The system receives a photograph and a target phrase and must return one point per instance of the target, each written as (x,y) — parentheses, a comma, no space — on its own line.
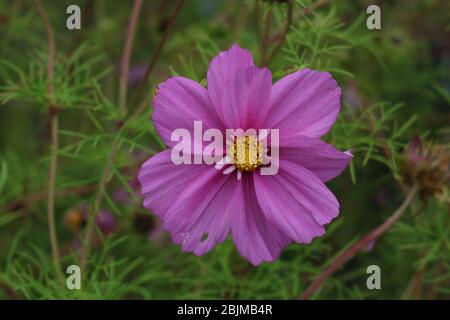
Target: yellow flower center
(247,153)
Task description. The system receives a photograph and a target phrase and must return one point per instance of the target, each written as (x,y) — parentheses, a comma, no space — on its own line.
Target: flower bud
(428,166)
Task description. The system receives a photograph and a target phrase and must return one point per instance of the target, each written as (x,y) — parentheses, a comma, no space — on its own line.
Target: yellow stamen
(247,153)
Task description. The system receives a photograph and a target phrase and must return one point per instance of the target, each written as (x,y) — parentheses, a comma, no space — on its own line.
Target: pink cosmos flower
(200,205)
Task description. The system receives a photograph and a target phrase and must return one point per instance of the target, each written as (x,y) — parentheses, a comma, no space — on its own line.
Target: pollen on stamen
(246,153)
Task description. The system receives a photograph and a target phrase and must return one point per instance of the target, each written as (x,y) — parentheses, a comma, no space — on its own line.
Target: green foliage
(391,91)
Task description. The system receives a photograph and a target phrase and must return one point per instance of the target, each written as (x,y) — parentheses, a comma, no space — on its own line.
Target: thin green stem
(359,246)
(283,37)
(51,194)
(265,37)
(53,111)
(155,58)
(126,54)
(86,246)
(279,33)
(257,18)
(90,228)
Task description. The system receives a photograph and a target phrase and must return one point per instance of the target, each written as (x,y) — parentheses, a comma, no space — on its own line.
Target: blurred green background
(395,84)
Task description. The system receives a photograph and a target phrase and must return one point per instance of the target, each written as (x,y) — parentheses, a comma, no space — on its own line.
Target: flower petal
(221,69)
(254,236)
(296,201)
(162,181)
(178,103)
(319,157)
(304,102)
(213,225)
(247,98)
(194,201)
